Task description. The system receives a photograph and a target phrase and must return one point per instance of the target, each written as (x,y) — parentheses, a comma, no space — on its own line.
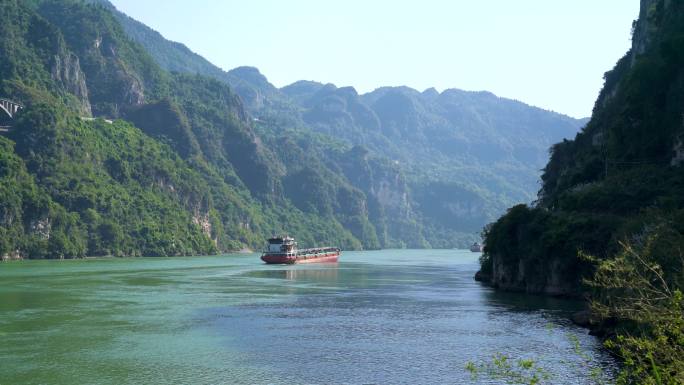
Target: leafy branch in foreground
(531,372)
(640,289)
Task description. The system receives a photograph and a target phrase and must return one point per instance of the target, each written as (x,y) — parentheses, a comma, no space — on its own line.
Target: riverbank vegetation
(638,296)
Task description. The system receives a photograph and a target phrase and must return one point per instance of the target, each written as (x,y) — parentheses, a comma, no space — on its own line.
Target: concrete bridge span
(10,107)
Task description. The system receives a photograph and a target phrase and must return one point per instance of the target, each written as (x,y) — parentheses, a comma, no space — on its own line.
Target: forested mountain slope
(224,169)
(191,177)
(466,155)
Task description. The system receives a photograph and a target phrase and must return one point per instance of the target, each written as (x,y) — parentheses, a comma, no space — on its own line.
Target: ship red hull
(285,259)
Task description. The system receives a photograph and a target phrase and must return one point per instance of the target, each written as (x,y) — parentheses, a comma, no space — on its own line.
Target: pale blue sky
(548,53)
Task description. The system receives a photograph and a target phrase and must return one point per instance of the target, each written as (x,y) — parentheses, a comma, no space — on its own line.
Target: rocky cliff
(617,179)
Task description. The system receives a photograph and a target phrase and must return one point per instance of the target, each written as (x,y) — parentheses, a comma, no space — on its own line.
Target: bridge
(10,107)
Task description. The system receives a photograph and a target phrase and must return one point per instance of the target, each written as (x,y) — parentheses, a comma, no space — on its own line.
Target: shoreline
(239,252)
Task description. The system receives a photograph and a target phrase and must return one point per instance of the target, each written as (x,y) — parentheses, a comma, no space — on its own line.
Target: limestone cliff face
(117,74)
(204,222)
(646,27)
(644,33)
(113,86)
(389,188)
(550,278)
(66,69)
(390,208)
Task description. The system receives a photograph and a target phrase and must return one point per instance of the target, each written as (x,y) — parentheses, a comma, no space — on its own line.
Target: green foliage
(127,74)
(618,172)
(115,191)
(467,139)
(165,122)
(226,139)
(525,371)
(637,117)
(214,184)
(502,367)
(641,289)
(196,179)
(529,242)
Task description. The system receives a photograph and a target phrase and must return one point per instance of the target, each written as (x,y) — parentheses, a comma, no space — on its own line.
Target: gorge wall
(618,179)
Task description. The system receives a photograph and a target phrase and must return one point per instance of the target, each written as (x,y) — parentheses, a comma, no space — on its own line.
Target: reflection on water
(531,302)
(323,272)
(385,317)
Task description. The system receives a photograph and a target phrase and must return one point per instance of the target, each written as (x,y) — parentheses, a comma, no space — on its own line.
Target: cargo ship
(284,250)
(476,248)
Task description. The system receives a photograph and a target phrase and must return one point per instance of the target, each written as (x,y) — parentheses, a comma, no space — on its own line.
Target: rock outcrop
(66,69)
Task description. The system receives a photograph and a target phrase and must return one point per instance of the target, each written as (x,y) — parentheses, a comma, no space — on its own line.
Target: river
(376,317)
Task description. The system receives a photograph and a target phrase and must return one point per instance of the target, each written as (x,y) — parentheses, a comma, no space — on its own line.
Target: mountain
(180,171)
(477,153)
(460,136)
(467,155)
(199,160)
(254,89)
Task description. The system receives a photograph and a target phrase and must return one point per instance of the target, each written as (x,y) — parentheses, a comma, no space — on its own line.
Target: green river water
(376,317)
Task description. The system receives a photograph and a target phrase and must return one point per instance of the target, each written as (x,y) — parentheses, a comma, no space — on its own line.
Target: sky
(547,53)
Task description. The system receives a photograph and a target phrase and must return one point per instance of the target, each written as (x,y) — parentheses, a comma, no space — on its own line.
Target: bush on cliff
(533,238)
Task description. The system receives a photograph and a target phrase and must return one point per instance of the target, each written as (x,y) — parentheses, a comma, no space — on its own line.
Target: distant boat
(476,248)
(284,250)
